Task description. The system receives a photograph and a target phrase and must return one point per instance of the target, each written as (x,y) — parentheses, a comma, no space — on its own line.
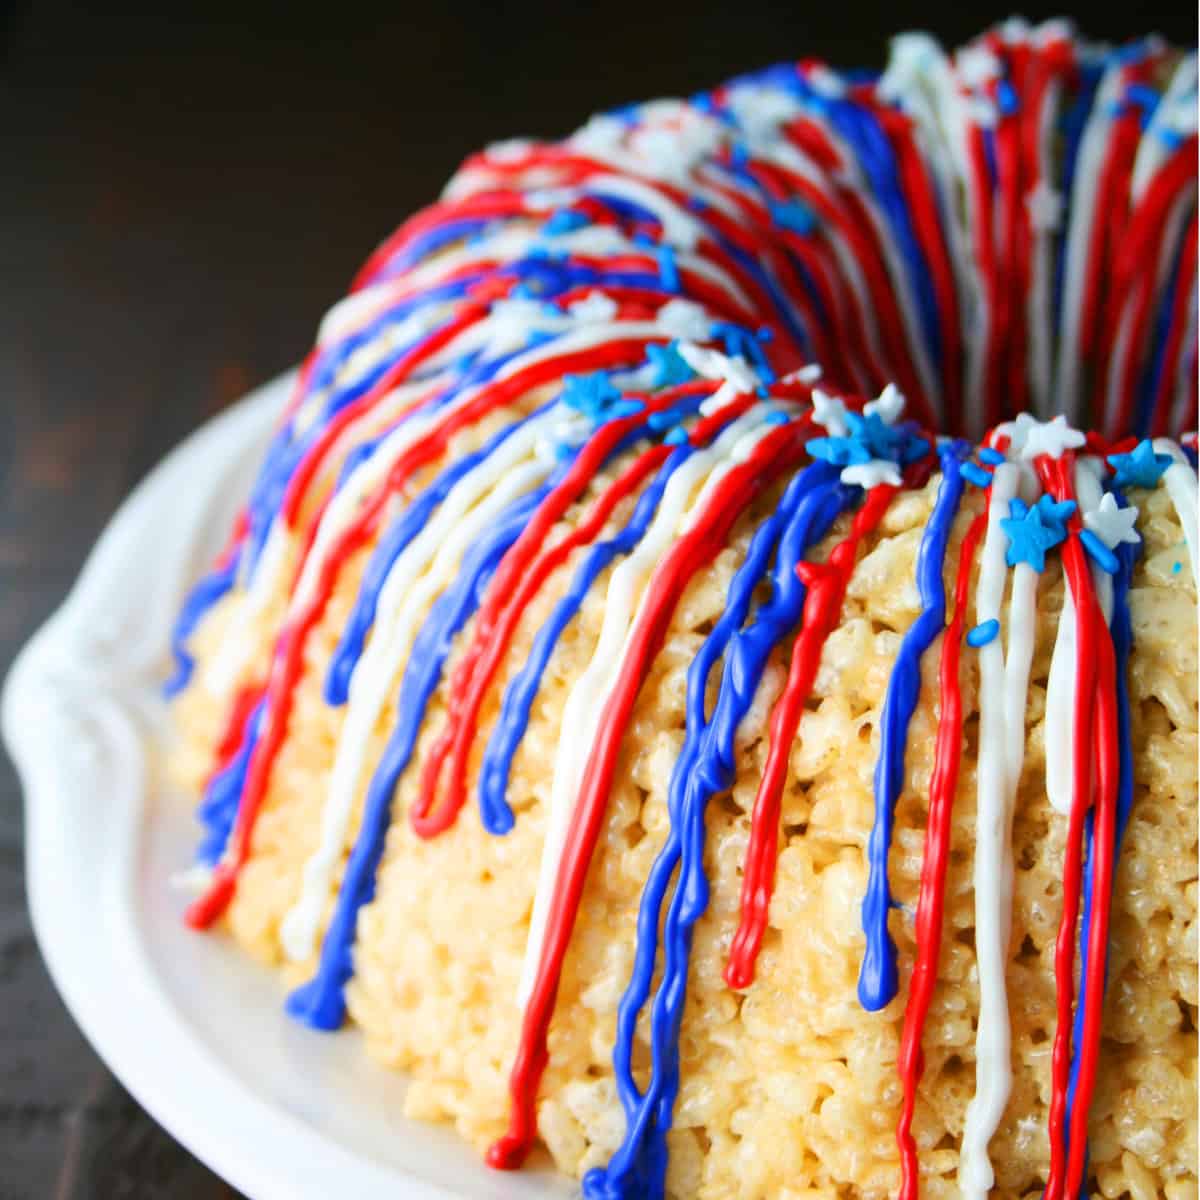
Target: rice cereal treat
(706,678)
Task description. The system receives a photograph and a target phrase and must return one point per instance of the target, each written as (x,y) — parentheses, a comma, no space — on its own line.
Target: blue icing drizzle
(1156,364)
(362,616)
(200,599)
(320,1003)
(1121,628)
(218,810)
(862,130)
(510,725)
(877,980)
(704,767)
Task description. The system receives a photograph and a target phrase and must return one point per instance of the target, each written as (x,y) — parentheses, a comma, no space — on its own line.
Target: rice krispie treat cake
(707,676)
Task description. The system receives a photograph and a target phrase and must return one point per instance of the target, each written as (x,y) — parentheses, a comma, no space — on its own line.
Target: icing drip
(826,587)
(877,981)
(705,766)
(931,902)
(695,548)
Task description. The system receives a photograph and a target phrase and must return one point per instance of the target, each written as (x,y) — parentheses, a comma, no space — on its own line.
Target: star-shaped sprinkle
(829,412)
(594,309)
(1141,467)
(872,473)
(1111,523)
(894,442)
(1017,431)
(589,394)
(1055,512)
(1029,535)
(840,451)
(670,368)
(889,406)
(1051,438)
(684,319)
(712,364)
(512,322)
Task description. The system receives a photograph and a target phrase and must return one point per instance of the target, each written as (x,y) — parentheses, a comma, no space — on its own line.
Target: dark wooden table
(180,198)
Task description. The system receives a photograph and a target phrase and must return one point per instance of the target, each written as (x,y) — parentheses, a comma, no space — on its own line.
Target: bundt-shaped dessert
(706,677)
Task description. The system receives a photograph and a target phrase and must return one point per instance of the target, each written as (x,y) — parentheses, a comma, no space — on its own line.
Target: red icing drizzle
(289,651)
(1094,781)
(943,782)
(826,589)
(779,451)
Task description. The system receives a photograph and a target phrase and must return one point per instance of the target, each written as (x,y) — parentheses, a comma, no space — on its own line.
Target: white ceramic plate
(195,1031)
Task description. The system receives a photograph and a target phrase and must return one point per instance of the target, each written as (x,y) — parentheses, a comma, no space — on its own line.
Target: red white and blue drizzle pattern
(703,288)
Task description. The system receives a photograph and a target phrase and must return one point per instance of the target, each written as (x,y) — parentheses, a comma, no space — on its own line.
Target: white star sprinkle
(1113,525)
(684,319)
(1017,431)
(888,407)
(871,474)
(830,413)
(712,364)
(513,319)
(594,309)
(1045,206)
(1052,438)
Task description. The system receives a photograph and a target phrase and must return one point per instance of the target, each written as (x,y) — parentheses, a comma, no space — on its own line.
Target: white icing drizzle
(993,853)
(1092,148)
(585,705)
(1060,684)
(418,575)
(226,666)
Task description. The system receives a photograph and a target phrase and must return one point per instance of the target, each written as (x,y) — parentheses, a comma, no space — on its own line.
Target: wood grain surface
(182,192)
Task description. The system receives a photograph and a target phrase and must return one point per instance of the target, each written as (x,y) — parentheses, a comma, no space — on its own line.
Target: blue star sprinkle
(592,395)
(670,368)
(740,341)
(1141,467)
(1056,513)
(870,438)
(840,451)
(1033,531)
